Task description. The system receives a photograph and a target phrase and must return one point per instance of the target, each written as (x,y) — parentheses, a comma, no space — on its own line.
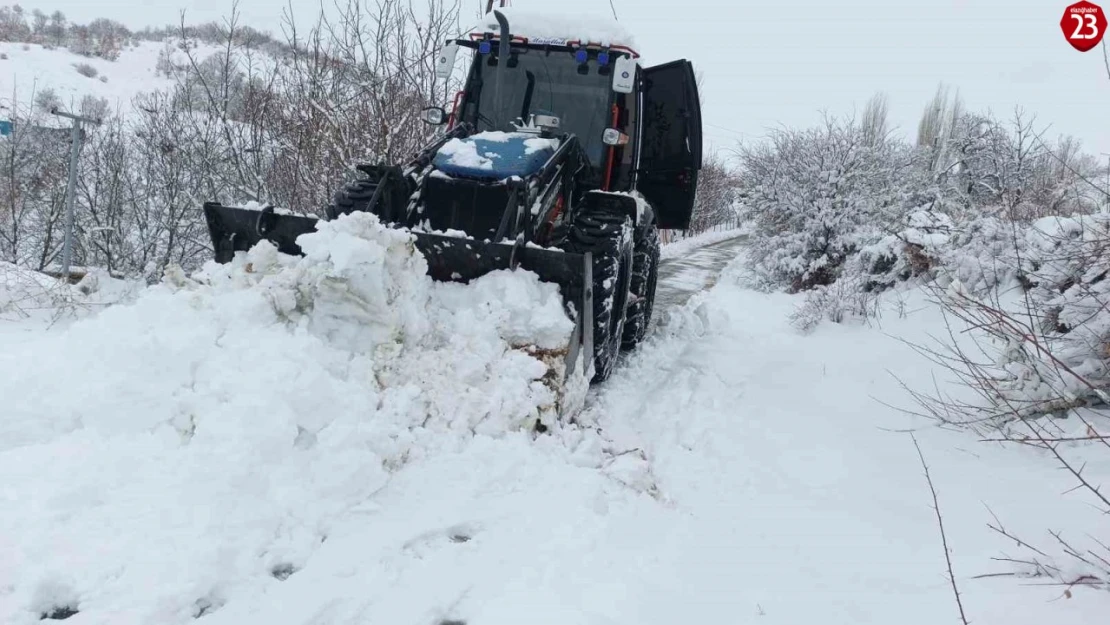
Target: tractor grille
(458,204)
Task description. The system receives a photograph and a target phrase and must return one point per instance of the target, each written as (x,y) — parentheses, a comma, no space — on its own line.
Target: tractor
(560,156)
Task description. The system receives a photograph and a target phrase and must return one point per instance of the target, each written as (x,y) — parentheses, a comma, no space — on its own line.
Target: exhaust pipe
(502,53)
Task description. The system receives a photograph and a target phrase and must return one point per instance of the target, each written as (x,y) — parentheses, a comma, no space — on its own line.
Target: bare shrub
(24,292)
(256,121)
(94,107)
(47,100)
(839,302)
(165,65)
(1034,368)
(86,70)
(717,200)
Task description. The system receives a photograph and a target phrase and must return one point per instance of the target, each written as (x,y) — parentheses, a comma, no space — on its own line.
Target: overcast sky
(767,64)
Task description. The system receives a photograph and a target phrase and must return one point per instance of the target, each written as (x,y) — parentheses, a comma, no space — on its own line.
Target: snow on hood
(500,154)
(216,424)
(538,25)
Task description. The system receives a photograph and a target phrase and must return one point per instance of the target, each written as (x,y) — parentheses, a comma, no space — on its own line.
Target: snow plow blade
(450,259)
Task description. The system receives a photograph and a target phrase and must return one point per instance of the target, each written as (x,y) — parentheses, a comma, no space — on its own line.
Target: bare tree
(875,122)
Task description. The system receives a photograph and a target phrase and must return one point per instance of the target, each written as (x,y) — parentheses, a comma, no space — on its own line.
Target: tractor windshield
(545,82)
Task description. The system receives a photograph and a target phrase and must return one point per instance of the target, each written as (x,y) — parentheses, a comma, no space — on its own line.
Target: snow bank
(22,289)
(27,294)
(168,455)
(683,247)
(539,26)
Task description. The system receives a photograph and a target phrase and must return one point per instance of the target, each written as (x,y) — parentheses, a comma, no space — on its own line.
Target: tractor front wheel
(608,236)
(353,197)
(645,272)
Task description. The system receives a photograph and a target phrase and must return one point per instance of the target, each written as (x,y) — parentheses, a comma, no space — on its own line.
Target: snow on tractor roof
(555,29)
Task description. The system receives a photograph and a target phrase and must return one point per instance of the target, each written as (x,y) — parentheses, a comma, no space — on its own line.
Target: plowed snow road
(680,278)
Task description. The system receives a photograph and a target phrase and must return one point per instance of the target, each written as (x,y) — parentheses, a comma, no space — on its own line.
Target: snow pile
(22,290)
(166,455)
(31,294)
(541,27)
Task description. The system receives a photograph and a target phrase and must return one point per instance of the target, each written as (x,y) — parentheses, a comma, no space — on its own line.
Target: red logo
(1084,24)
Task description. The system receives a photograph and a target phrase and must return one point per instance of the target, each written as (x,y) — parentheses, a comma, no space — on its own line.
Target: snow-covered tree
(817,196)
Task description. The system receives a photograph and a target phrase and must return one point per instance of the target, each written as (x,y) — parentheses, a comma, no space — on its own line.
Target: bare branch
(943,536)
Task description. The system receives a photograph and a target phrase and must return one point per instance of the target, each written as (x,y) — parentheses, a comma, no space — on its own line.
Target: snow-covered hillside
(336,440)
(28,69)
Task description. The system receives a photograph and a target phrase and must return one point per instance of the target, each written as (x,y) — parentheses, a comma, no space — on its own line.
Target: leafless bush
(718,196)
(839,302)
(101,38)
(86,70)
(255,121)
(47,100)
(165,65)
(24,292)
(1034,369)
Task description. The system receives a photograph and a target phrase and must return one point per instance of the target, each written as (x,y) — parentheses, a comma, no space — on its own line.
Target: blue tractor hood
(495,155)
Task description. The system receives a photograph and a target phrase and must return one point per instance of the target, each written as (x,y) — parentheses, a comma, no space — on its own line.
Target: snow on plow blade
(450,259)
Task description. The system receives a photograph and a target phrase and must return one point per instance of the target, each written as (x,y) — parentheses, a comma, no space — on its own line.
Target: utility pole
(71,187)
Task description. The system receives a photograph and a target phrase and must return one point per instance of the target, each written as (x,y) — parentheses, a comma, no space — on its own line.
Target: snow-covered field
(335,440)
(28,69)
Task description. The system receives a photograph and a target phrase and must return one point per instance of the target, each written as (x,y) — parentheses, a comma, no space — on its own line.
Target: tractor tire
(645,273)
(353,197)
(608,236)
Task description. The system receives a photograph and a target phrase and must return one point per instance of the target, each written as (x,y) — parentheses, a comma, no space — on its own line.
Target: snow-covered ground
(28,69)
(334,440)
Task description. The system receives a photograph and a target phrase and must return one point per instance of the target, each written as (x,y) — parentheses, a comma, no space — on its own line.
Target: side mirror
(434,116)
(547,122)
(612,136)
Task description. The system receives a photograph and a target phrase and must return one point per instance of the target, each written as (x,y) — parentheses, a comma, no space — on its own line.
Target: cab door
(671,144)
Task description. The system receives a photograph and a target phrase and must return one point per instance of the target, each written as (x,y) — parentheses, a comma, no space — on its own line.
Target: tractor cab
(636,128)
